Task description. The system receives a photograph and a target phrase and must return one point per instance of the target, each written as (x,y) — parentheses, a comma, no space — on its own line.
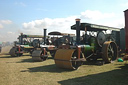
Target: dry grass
(23,71)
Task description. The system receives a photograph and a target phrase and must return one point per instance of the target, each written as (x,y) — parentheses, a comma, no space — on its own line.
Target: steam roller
(25,44)
(91,46)
(50,45)
(41,50)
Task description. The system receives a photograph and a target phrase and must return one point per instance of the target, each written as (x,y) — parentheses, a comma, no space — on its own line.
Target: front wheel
(14,52)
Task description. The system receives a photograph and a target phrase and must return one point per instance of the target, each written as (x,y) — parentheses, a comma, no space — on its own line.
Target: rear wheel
(109,51)
(75,61)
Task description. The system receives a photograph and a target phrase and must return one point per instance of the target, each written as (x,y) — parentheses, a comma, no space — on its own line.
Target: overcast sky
(31,16)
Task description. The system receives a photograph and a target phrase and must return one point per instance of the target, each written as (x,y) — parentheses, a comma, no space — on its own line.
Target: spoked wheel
(76,63)
(109,51)
(38,55)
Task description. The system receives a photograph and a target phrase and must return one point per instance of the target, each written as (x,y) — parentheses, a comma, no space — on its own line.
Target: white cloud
(64,24)
(119,23)
(58,24)
(39,9)
(125,4)
(1,26)
(6,21)
(95,15)
(20,3)
(1,36)
(6,31)
(10,32)
(9,36)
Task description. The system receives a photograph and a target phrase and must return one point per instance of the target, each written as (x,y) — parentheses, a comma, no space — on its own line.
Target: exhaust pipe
(126,28)
(69,38)
(21,39)
(77,31)
(45,36)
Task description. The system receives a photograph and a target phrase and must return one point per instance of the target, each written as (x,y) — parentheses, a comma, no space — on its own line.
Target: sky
(32,16)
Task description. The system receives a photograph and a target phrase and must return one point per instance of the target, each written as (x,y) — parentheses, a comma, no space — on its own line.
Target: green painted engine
(26,44)
(94,44)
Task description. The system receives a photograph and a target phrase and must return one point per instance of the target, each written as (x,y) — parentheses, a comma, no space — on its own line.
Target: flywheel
(36,43)
(101,38)
(109,51)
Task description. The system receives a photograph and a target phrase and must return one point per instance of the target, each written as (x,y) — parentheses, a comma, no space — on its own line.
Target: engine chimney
(126,29)
(21,39)
(78,31)
(45,36)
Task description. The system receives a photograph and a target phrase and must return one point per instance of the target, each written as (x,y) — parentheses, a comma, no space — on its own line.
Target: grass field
(23,71)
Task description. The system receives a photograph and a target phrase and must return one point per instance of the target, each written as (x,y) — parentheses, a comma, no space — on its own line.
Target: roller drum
(37,55)
(66,58)
(14,52)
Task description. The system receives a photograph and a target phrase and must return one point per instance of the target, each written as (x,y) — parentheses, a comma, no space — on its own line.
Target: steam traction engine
(92,45)
(26,43)
(50,45)
(41,51)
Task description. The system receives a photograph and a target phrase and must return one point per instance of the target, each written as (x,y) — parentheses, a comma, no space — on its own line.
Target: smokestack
(126,28)
(45,36)
(78,31)
(69,38)
(21,38)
